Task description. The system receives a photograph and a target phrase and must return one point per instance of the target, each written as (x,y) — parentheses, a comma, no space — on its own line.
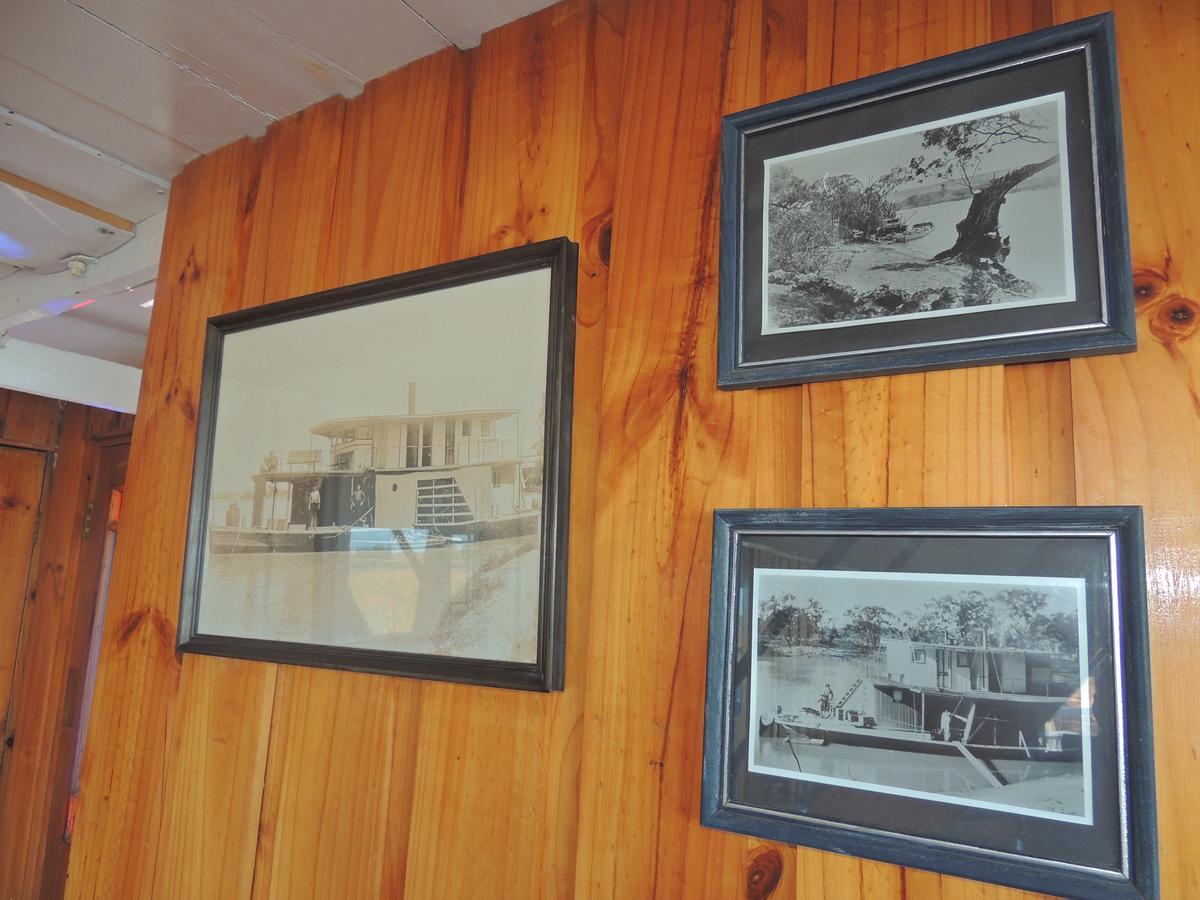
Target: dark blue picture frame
(746,358)
(1121,526)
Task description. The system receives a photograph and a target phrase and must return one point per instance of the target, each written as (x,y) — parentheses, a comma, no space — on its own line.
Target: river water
(1031,220)
(472,599)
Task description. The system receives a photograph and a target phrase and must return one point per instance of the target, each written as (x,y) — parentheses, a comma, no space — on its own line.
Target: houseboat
(408,481)
(983,703)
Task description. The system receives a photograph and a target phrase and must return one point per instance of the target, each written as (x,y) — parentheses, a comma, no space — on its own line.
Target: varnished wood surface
(212,777)
(22,473)
(48,453)
(29,421)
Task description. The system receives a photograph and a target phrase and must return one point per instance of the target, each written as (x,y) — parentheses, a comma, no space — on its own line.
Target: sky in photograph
(870,157)
(903,593)
(474,347)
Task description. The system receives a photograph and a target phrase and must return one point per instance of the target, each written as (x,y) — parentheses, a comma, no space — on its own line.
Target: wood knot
(129,626)
(597,243)
(1174,318)
(251,197)
(1148,284)
(164,630)
(763,874)
(190,270)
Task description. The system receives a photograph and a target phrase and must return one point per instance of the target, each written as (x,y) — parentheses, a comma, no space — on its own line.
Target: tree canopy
(1010,617)
(959,151)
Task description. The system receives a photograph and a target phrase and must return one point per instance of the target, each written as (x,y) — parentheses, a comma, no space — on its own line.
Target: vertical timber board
(1137,425)
(22,476)
(118,832)
(27,778)
(665,434)
(498,770)
(337,799)
(219,742)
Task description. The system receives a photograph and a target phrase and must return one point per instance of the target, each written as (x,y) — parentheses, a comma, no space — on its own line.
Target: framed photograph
(382,475)
(962,211)
(960,690)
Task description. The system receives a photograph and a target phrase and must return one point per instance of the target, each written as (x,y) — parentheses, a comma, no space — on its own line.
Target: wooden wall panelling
(217,737)
(130,747)
(337,803)
(36,706)
(373,785)
(949,427)
(1038,419)
(54,487)
(27,420)
(22,477)
(221,737)
(105,424)
(75,626)
(498,770)
(664,434)
(1136,418)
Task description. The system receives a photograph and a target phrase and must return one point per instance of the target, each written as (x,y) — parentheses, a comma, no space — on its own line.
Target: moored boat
(996,703)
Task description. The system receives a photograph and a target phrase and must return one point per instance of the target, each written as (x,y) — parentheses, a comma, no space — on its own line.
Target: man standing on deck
(827,701)
(314,506)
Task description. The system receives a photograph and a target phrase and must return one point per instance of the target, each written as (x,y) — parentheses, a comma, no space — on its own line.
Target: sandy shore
(1058,794)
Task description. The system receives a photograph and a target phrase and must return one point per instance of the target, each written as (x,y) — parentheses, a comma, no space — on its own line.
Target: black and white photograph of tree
(947,217)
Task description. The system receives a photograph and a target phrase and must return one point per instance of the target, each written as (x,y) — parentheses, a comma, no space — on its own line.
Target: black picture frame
(832,816)
(560,257)
(1078,59)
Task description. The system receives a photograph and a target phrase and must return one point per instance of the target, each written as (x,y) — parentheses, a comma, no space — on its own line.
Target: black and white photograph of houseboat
(950,216)
(377,476)
(960,688)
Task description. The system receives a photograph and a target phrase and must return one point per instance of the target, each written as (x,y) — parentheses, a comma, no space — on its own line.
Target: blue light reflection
(11,248)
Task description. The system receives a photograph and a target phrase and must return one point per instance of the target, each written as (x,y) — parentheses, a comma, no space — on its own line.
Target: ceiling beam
(55,134)
(66,201)
(25,296)
(47,372)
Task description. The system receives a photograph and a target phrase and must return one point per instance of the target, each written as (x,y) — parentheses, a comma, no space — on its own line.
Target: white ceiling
(104,101)
(110,327)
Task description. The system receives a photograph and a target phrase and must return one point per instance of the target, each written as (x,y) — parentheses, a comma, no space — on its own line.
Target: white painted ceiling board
(40,97)
(238,48)
(363,38)
(465,21)
(81,53)
(37,234)
(77,174)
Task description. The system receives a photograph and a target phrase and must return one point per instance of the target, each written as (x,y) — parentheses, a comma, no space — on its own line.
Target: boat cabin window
(485,428)
(427,444)
(466,427)
(412,447)
(918,656)
(962,660)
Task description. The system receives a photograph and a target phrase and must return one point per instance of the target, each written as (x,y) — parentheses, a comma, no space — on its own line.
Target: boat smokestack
(412,398)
